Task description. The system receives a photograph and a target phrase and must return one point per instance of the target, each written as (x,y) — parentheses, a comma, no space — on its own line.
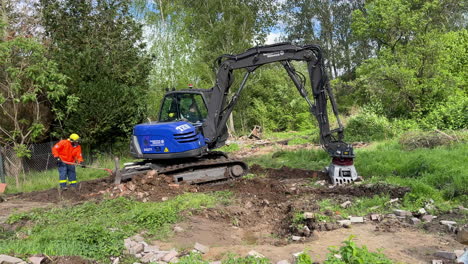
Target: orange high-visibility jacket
(66,152)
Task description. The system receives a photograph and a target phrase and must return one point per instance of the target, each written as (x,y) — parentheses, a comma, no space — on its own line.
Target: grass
(62,232)
(43,180)
(349,253)
(439,173)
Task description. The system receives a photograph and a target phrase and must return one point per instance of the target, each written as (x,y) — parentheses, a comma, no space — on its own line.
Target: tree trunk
(231,130)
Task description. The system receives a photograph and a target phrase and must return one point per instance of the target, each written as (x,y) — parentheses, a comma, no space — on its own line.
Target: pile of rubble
(146,253)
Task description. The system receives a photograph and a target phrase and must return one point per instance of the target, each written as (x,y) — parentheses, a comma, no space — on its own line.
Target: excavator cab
(183,106)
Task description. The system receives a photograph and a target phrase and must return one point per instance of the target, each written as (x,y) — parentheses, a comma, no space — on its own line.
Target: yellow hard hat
(74,137)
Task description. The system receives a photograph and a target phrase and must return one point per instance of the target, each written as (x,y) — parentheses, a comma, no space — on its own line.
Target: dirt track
(260,218)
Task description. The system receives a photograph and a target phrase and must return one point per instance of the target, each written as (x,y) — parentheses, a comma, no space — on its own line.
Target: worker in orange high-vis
(67,152)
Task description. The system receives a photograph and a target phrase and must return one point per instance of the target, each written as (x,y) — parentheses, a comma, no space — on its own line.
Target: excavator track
(214,167)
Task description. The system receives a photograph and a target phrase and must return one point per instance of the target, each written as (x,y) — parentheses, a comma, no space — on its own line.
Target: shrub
(367,126)
(451,114)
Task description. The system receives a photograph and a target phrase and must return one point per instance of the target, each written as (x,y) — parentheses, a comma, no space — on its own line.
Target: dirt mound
(287,173)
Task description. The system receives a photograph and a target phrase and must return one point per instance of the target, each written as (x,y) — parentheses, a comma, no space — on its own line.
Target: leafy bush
(450,114)
(368,126)
(352,254)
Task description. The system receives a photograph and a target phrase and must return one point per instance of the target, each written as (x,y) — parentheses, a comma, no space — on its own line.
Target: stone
(178,229)
(151,174)
(403,213)
(170,255)
(116,260)
(437,261)
(137,238)
(445,255)
(392,216)
(215,262)
(415,221)
(344,223)
(138,255)
(308,215)
(150,248)
(462,236)
(306,231)
(376,217)
(201,248)
(283,262)
(346,204)
(429,207)
(5,259)
(447,223)
(427,218)
(255,254)
(174,260)
(36,260)
(164,199)
(356,219)
(296,238)
(148,257)
(422,211)
(136,249)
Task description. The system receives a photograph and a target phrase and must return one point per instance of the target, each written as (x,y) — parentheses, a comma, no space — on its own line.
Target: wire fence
(41,159)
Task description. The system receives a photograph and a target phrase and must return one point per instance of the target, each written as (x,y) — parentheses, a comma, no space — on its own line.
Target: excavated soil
(261,216)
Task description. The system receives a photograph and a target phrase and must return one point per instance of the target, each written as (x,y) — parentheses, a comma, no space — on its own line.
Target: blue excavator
(192,122)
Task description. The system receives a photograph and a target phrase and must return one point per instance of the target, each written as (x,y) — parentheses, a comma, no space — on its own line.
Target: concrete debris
(137,238)
(415,221)
(296,238)
(445,255)
(376,217)
(402,213)
(5,259)
(356,219)
(149,257)
(201,248)
(178,229)
(283,262)
(170,255)
(255,254)
(422,211)
(136,249)
(344,223)
(447,223)
(321,183)
(36,260)
(462,236)
(164,199)
(437,261)
(308,215)
(116,260)
(150,248)
(306,231)
(427,218)
(346,204)
(174,260)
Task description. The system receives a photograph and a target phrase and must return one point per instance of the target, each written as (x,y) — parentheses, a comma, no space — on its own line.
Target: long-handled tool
(90,167)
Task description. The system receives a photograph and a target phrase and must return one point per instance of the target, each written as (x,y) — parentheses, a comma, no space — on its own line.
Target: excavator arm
(341,169)
(219,108)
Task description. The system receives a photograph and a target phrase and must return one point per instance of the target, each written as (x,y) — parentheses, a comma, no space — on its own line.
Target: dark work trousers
(67,173)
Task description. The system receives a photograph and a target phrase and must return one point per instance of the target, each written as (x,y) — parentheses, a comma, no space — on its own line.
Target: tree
(29,83)
(99,45)
(419,60)
(327,23)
